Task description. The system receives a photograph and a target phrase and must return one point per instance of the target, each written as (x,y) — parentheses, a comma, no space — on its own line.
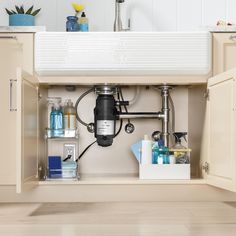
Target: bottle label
(70,121)
(105,127)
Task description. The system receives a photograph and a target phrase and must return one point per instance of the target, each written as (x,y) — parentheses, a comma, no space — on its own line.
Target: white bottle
(146,151)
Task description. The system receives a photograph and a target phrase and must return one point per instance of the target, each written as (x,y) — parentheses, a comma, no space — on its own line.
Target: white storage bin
(164,172)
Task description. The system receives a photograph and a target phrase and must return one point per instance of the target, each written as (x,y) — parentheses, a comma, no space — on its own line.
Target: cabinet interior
(118,159)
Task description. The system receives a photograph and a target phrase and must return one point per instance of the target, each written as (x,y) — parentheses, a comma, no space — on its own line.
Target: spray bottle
(180,152)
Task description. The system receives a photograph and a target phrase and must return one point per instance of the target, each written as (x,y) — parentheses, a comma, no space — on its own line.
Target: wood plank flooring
(127,218)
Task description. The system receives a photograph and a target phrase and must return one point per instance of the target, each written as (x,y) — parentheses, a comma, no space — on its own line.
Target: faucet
(118,22)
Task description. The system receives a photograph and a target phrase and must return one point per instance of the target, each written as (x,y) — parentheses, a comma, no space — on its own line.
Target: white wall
(146,15)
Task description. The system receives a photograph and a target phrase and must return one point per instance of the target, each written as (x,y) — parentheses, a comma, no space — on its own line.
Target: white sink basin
(125,53)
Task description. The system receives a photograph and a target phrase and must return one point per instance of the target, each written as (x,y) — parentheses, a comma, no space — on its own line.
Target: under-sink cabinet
(216,134)
(205,108)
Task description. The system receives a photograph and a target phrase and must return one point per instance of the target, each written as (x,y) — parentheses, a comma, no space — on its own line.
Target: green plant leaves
(20,10)
(29,10)
(36,12)
(8,12)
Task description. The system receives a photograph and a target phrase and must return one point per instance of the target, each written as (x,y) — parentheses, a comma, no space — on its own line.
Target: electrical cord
(121,121)
(77,104)
(85,150)
(122,97)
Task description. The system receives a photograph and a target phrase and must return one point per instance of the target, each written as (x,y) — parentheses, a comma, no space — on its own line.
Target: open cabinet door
(221,164)
(27,132)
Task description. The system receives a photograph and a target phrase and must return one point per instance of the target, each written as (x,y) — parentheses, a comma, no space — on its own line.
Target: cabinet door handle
(232,37)
(8,37)
(10,95)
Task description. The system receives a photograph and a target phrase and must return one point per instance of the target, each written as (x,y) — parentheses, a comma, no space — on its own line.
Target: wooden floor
(137,219)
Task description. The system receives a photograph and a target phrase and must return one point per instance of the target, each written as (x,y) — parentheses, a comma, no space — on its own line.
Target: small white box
(164,172)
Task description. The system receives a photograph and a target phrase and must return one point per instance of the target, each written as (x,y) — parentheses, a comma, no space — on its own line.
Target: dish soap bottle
(180,152)
(56,118)
(83,23)
(69,115)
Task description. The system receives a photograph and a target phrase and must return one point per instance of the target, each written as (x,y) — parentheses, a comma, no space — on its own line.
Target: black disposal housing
(105,114)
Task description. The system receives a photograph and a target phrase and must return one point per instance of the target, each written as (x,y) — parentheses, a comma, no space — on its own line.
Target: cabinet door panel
(10,58)
(221,156)
(224,53)
(27,132)
(26,42)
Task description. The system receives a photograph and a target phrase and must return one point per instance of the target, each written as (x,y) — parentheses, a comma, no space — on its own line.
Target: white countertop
(34,29)
(22,29)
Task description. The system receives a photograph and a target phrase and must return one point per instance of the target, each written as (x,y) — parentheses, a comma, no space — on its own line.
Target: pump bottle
(83,23)
(69,115)
(56,117)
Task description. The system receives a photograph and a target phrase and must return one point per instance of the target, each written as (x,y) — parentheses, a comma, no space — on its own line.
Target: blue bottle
(163,152)
(155,153)
(57,120)
(72,24)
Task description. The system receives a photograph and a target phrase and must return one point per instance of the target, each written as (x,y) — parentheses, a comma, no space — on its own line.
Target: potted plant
(21,17)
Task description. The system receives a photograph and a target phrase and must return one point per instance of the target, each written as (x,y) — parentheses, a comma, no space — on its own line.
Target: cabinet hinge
(205,167)
(39,96)
(207,94)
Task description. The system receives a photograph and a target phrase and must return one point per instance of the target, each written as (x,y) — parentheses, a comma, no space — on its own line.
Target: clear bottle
(56,118)
(83,23)
(69,115)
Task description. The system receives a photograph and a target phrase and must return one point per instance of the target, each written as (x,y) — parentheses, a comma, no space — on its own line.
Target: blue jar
(72,24)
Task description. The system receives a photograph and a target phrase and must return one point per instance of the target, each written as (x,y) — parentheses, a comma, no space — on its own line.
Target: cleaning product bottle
(69,115)
(56,118)
(146,151)
(180,152)
(83,23)
(163,156)
(155,152)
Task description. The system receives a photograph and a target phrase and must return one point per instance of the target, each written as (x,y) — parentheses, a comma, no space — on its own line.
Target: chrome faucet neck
(118,22)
